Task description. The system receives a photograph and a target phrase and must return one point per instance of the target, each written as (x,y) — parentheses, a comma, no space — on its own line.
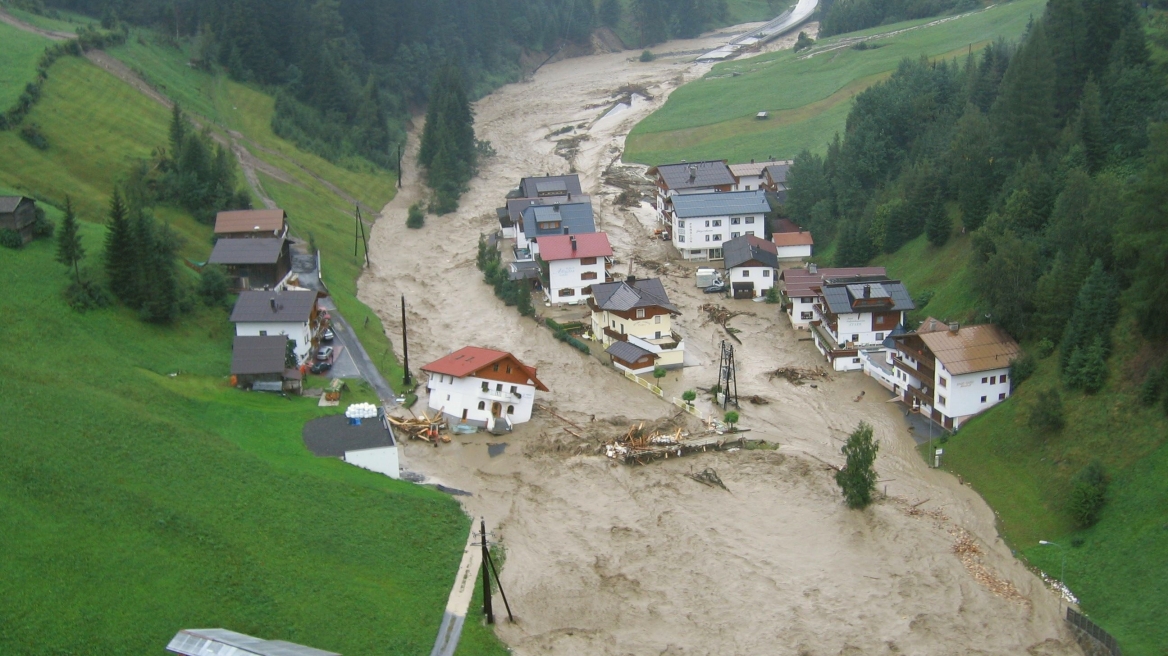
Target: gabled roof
(560,247)
(263,250)
(970,349)
(694,175)
(777,172)
(749,250)
(801,282)
(469,360)
(258,354)
(626,351)
(634,293)
(866,296)
(515,206)
(221,642)
(724,203)
(274,307)
(9,204)
(793,239)
(553,185)
(576,218)
(236,221)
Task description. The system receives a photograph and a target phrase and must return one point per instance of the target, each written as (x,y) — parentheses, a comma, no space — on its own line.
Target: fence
(1091,629)
(688,408)
(644,383)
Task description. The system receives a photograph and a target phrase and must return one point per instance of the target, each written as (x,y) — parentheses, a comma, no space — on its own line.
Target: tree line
(839,16)
(1050,155)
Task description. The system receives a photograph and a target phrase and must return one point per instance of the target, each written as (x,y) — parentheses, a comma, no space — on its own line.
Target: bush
(803,42)
(416,217)
(731,418)
(86,296)
(1046,416)
(32,135)
(42,227)
(1044,349)
(11,239)
(773,296)
(1021,368)
(688,396)
(647,56)
(213,285)
(1088,494)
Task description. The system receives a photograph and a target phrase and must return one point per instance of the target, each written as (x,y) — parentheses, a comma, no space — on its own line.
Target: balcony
(923,395)
(500,395)
(657,344)
(612,334)
(920,373)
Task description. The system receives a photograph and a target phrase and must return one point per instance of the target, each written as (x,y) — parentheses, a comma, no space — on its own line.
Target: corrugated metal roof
(264,250)
(748,248)
(236,221)
(695,175)
(592,244)
(626,351)
(972,348)
(222,642)
(725,203)
(292,306)
(9,204)
(626,295)
(258,354)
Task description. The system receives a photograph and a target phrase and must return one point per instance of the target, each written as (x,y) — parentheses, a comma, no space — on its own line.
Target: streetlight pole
(1063,567)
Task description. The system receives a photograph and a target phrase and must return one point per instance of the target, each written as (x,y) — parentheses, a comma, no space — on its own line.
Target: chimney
(272,302)
(954,327)
(631,280)
(812,268)
(693,172)
(556,207)
(867,291)
(752,160)
(573,240)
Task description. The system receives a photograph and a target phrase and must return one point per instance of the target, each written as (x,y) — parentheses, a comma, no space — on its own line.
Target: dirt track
(606,559)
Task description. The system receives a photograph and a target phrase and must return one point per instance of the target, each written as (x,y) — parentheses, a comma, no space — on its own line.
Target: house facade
(854,316)
(749,177)
(257,263)
(242,224)
(482,386)
(637,314)
(689,178)
(800,288)
(952,372)
(575,263)
(751,266)
(18,213)
(793,245)
(295,315)
(702,223)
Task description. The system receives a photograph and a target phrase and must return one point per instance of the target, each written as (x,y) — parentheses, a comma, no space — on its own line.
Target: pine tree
(178,132)
(69,249)
(857,479)
(937,224)
(1091,320)
(1145,235)
(610,12)
(159,293)
(1025,111)
(972,156)
(1090,126)
(121,250)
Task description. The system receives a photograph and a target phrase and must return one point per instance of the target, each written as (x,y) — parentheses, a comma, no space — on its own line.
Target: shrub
(773,296)
(1046,416)
(213,285)
(647,56)
(42,227)
(11,239)
(1020,369)
(1153,385)
(803,42)
(1044,349)
(1088,494)
(731,418)
(857,479)
(688,396)
(85,296)
(416,217)
(32,135)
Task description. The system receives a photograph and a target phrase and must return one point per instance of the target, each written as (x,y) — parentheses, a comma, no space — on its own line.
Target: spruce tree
(121,250)
(1090,126)
(1090,323)
(178,132)
(159,292)
(1025,111)
(937,223)
(857,479)
(69,249)
(972,156)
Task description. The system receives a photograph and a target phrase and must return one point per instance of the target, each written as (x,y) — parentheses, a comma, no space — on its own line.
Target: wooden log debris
(425,427)
(797,375)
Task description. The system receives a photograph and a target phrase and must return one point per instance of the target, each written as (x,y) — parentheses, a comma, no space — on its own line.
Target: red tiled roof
(470,359)
(559,247)
(793,239)
(249,221)
(802,283)
(759,242)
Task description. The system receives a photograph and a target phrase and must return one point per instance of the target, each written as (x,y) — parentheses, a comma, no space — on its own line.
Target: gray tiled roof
(695,175)
(557,184)
(515,206)
(524,270)
(247,251)
(778,172)
(740,250)
(725,203)
(289,307)
(258,354)
(885,296)
(9,203)
(624,295)
(575,217)
(626,351)
(333,436)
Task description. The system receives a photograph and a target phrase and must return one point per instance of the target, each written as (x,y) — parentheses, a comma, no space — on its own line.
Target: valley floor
(606,559)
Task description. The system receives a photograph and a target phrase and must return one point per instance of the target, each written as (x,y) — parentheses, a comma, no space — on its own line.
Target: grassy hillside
(944,272)
(807,95)
(138,502)
(1116,567)
(18,60)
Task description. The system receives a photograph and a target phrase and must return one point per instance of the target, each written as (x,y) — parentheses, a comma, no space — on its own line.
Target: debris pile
(967,550)
(424,427)
(797,375)
(641,446)
(709,477)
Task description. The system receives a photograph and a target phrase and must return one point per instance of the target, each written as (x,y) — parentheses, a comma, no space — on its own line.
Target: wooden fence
(688,408)
(644,383)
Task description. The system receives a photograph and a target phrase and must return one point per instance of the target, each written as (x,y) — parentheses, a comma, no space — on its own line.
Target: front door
(496,409)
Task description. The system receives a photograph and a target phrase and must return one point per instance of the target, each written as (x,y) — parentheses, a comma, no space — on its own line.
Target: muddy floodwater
(604,558)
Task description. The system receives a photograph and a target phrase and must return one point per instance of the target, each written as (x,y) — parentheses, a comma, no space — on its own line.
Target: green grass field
(60,21)
(1118,569)
(944,271)
(807,97)
(138,502)
(18,60)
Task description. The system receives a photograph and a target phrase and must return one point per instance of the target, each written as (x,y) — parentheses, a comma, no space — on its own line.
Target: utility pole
(406,380)
(399,171)
(486,574)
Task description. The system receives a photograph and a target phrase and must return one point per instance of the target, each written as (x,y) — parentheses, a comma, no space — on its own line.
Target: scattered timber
(798,375)
(709,477)
(639,446)
(426,428)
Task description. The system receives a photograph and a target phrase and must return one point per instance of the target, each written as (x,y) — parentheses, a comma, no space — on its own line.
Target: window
(855,338)
(805,316)
(588,275)
(717,223)
(983,380)
(587,290)
(707,223)
(747,187)
(657,319)
(766,273)
(735,221)
(498,387)
(508,368)
(482,405)
(640,313)
(746,273)
(680,237)
(750,219)
(983,399)
(587,260)
(941,400)
(622,329)
(680,224)
(1002,378)
(263,333)
(447,397)
(735,235)
(855,360)
(496,366)
(486,386)
(707,237)
(880,337)
(993,380)
(942,382)
(567,292)
(1002,396)
(614,323)
(510,409)
(514,389)
(717,237)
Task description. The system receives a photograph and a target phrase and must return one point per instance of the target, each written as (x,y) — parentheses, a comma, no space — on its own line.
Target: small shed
(370,445)
(257,363)
(18,213)
(222,642)
(762,116)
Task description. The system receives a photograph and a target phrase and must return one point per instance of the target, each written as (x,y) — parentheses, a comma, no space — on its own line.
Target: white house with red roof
(793,245)
(574,264)
(482,386)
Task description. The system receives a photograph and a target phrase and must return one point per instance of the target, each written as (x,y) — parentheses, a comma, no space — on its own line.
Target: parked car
(320,367)
(325,353)
(328,335)
(715,289)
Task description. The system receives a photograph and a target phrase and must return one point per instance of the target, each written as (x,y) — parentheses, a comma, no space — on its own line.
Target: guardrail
(1096,633)
(644,383)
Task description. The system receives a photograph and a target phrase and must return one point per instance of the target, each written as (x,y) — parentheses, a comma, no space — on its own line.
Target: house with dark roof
(258,263)
(574,263)
(291,314)
(236,224)
(775,179)
(511,216)
(800,288)
(550,186)
(367,443)
(689,178)
(18,213)
(574,218)
(259,363)
(702,223)
(482,387)
(952,372)
(853,317)
(637,314)
(751,266)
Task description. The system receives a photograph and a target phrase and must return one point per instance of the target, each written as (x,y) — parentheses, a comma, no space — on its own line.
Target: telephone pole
(406,380)
(487,610)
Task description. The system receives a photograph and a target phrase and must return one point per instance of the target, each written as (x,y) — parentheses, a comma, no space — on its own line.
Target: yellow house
(634,320)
